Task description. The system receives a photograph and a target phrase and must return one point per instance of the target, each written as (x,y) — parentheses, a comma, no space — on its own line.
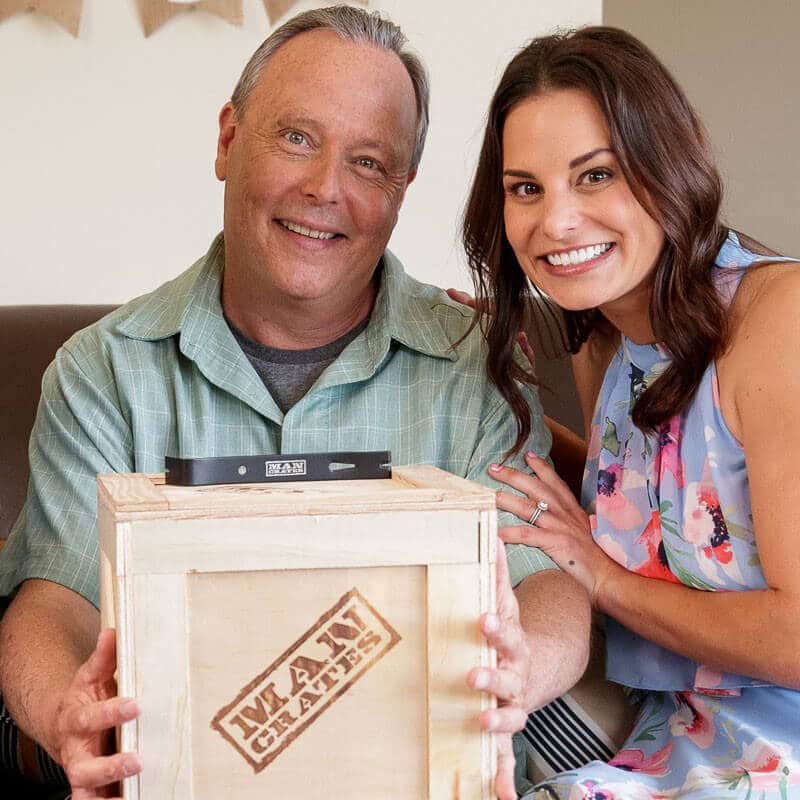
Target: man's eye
(367,163)
(294,137)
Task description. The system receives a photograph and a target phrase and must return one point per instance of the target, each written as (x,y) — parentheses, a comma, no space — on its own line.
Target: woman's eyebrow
(517,173)
(576,162)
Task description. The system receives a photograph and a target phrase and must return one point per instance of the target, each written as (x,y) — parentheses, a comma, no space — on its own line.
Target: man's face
(315,171)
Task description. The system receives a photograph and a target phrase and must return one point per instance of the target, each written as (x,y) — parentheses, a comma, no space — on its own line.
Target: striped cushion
(20,755)
(588,723)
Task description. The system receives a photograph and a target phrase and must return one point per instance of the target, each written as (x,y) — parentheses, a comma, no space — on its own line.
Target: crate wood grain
(306,638)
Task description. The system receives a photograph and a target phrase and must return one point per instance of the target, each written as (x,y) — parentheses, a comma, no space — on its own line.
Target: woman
(596,187)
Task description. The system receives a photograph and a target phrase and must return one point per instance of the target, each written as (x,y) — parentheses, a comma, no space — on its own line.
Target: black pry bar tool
(278,468)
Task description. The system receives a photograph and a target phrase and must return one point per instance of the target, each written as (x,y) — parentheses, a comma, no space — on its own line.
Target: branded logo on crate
(279,469)
(280,703)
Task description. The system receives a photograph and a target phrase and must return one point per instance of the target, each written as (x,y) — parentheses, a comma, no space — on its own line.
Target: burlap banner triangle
(277,8)
(154,13)
(67,13)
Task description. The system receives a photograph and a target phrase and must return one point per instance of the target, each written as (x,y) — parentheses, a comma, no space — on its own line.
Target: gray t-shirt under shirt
(289,374)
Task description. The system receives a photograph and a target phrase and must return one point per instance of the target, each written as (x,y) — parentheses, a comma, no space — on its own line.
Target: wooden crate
(301,639)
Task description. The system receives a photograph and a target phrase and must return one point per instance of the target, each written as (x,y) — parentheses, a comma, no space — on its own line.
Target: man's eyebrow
(576,162)
(290,120)
(377,144)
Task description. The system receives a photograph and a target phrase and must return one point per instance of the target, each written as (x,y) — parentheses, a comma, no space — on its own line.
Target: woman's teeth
(577,256)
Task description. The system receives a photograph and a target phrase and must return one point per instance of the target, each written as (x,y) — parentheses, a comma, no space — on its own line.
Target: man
(296,332)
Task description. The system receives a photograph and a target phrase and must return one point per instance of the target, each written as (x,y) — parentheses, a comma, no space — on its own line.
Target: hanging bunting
(277,8)
(67,13)
(154,13)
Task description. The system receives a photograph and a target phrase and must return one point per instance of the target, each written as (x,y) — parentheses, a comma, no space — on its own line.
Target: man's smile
(303,230)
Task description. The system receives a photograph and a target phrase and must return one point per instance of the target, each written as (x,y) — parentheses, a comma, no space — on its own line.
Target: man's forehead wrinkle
(301,85)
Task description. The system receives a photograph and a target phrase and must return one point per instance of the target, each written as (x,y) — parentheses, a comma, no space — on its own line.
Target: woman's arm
(757,632)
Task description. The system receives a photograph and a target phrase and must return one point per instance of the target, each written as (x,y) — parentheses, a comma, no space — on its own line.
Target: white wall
(107,141)
(738,62)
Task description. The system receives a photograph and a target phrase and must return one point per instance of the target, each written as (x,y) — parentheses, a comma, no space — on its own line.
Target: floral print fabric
(675,506)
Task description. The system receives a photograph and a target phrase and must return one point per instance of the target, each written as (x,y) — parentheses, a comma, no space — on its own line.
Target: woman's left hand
(563,531)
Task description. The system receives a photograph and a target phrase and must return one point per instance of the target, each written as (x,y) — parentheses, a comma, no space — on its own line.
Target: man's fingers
(92,794)
(504,684)
(504,787)
(94,772)
(504,719)
(99,668)
(95,718)
(506,600)
(505,636)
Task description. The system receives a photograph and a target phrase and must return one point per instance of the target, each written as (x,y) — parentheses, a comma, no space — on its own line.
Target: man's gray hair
(358,26)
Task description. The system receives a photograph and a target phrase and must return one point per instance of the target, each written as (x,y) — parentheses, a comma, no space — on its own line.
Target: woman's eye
(597,175)
(294,137)
(525,189)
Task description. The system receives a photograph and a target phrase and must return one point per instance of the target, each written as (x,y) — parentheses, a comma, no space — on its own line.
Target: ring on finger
(541,507)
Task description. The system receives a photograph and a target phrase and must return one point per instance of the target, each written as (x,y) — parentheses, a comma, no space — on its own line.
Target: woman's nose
(562,215)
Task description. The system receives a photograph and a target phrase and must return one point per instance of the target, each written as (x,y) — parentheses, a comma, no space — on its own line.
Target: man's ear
(227,130)
(410,177)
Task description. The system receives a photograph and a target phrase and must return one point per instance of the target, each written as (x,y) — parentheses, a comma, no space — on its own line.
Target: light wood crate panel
(308,637)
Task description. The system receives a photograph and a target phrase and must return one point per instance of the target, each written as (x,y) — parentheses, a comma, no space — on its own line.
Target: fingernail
(491,721)
(494,467)
(530,454)
(481,679)
(490,623)
(130,708)
(131,765)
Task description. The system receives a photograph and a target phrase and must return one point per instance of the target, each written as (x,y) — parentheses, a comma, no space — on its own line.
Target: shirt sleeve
(498,433)
(79,431)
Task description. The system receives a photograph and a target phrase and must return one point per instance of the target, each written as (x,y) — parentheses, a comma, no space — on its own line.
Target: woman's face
(570,216)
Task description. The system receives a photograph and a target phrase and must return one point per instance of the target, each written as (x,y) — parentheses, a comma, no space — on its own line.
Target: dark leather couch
(29,338)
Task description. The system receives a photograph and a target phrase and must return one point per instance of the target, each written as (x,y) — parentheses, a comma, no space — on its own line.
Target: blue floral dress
(676,506)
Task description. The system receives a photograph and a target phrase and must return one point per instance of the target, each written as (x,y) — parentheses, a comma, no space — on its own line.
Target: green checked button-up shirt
(163,375)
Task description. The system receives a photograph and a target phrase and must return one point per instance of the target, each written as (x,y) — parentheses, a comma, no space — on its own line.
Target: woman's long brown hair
(663,152)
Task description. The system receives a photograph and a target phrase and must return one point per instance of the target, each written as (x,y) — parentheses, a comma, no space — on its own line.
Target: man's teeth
(301,229)
(577,256)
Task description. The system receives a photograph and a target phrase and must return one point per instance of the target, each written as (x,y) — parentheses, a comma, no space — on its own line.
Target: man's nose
(562,215)
(322,179)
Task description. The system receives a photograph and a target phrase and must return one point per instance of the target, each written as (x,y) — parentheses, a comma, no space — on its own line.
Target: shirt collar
(191,306)
(403,312)
(402,307)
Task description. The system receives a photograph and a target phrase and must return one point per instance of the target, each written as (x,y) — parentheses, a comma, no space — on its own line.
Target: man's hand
(85,723)
(512,681)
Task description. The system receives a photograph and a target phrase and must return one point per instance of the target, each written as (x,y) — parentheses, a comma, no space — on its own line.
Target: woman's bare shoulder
(766,303)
